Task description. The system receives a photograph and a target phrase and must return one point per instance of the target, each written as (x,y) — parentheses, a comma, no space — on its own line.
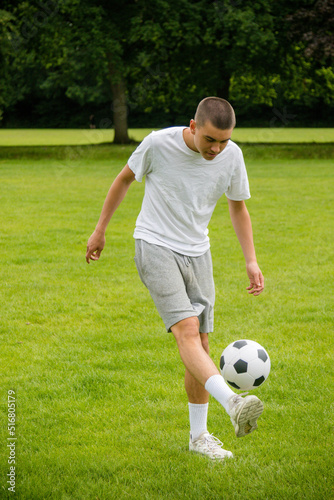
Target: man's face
(209,140)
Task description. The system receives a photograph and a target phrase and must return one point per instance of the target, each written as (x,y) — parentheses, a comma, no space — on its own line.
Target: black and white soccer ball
(245,365)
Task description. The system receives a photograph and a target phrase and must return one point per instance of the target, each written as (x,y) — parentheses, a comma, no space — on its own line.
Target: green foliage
(249,90)
(307,53)
(147,57)
(313,26)
(325,84)
(199,46)
(7,28)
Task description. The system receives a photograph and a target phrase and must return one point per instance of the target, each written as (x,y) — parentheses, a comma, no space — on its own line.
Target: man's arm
(115,196)
(243,229)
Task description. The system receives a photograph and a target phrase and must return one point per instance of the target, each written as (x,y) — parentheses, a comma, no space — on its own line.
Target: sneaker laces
(213,443)
(236,397)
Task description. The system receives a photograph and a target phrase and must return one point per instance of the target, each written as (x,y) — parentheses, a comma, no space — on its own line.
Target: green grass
(64,137)
(284,135)
(101,409)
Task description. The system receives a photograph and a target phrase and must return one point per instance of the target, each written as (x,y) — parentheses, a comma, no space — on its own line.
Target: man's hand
(95,246)
(256,280)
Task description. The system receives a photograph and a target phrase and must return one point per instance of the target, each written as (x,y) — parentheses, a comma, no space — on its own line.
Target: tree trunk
(120,113)
(119,107)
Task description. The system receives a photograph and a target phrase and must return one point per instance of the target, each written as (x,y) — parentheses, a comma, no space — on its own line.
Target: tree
(314,28)
(6,30)
(306,36)
(143,54)
(89,59)
(78,50)
(157,56)
(198,46)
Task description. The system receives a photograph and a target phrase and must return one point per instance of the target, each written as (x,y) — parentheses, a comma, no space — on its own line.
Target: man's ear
(192,126)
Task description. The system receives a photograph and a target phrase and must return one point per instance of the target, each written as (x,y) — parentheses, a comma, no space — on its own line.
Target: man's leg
(243,411)
(196,360)
(197,394)
(199,365)
(198,398)
(193,345)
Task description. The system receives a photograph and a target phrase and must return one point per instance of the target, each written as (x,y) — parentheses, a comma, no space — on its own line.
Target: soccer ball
(245,364)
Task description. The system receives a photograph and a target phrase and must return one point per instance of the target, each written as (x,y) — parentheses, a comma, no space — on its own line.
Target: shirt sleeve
(238,189)
(140,162)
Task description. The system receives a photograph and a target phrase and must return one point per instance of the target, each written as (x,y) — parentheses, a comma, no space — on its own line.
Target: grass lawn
(101,412)
(64,137)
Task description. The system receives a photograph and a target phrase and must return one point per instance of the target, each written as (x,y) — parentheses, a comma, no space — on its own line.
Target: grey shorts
(180,286)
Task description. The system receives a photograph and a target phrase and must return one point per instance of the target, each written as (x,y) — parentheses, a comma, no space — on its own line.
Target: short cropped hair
(216,110)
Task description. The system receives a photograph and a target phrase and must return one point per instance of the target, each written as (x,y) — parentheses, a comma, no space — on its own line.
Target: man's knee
(187,329)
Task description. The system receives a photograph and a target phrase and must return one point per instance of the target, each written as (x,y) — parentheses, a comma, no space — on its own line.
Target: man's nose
(215,148)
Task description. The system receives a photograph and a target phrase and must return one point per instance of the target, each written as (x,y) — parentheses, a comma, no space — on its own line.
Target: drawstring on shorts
(187,260)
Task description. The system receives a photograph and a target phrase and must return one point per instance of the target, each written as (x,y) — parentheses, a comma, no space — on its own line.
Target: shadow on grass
(106,151)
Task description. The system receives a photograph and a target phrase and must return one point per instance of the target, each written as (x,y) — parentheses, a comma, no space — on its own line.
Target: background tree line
(145,63)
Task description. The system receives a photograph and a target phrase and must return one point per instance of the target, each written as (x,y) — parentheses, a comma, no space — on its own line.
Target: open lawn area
(100,408)
(61,137)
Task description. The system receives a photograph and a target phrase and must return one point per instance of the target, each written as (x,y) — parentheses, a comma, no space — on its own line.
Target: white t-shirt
(182,189)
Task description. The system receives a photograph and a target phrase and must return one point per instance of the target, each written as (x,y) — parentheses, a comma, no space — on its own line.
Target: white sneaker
(244,413)
(209,445)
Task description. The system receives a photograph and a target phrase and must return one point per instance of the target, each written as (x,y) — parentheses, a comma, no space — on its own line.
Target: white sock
(219,389)
(198,416)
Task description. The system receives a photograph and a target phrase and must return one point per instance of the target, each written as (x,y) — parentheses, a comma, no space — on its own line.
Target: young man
(187,170)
